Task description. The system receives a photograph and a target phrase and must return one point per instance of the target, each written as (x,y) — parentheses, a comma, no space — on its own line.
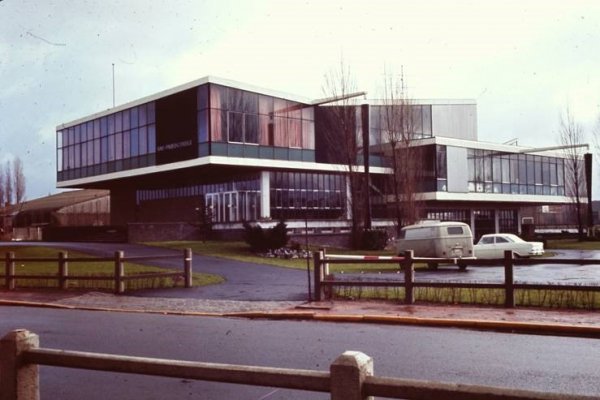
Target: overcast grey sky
(522,61)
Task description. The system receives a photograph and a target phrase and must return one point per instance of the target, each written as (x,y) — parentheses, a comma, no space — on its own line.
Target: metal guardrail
(350,376)
(118,277)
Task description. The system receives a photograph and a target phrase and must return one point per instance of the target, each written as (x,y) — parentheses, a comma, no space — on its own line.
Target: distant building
(252,154)
(25,221)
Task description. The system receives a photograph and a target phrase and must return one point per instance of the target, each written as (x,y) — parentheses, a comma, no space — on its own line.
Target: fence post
(409,277)
(187,267)
(63,269)
(119,273)
(509,281)
(348,373)
(318,273)
(18,381)
(9,279)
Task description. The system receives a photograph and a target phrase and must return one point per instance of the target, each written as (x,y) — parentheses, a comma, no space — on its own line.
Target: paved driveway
(243,281)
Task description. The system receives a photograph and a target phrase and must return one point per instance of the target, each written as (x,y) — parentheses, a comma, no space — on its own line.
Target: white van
(435,239)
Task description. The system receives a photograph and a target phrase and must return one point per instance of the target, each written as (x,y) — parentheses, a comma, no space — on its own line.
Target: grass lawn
(572,244)
(92,268)
(241,252)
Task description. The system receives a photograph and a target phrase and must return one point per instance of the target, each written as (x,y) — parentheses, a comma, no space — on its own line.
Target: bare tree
(8,184)
(397,124)
(18,180)
(571,136)
(339,127)
(2,193)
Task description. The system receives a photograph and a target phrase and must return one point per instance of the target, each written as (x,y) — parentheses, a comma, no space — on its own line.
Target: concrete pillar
(265,195)
(348,373)
(18,381)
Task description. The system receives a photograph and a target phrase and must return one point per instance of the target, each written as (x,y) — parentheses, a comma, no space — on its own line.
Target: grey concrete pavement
(529,320)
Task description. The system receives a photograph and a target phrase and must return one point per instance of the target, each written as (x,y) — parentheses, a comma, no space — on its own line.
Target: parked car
(494,245)
(435,239)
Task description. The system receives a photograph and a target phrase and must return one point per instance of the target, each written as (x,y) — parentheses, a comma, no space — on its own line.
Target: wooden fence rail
(350,376)
(323,283)
(119,277)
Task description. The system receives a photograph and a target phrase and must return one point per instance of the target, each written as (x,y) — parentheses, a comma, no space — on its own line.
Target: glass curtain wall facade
(247,124)
(496,172)
(228,121)
(119,141)
(300,195)
(386,121)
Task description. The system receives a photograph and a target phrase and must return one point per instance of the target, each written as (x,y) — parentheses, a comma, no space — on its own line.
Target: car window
(500,239)
(486,240)
(455,230)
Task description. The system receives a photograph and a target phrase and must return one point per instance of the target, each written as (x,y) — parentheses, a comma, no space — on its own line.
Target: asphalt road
(559,364)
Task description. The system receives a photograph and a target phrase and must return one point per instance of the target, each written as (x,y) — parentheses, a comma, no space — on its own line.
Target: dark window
(455,230)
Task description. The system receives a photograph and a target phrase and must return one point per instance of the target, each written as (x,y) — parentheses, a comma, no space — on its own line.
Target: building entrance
(484,222)
(234,206)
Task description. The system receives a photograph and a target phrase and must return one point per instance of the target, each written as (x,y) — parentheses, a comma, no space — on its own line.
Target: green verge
(558,299)
(92,268)
(241,252)
(572,244)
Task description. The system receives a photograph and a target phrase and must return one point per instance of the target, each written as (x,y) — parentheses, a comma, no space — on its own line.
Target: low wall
(167,231)
(105,233)
(161,231)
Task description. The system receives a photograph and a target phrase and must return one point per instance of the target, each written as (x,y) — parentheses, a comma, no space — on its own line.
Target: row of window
(121,121)
(307,181)
(244,117)
(399,122)
(122,145)
(496,172)
(507,219)
(245,183)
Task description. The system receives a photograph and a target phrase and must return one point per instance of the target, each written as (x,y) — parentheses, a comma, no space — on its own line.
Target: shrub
(255,237)
(374,239)
(278,236)
(261,240)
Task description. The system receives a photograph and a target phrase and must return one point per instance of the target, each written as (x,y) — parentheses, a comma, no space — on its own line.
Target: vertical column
(187,267)
(509,280)
(348,198)
(119,273)
(63,270)
(265,195)
(496,220)
(348,373)
(10,271)
(364,113)
(18,381)
(409,277)
(317,257)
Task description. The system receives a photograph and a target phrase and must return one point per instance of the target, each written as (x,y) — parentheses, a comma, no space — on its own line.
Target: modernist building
(251,154)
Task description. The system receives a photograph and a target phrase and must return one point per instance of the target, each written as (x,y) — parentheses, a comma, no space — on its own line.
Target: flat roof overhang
(213,164)
(494,198)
